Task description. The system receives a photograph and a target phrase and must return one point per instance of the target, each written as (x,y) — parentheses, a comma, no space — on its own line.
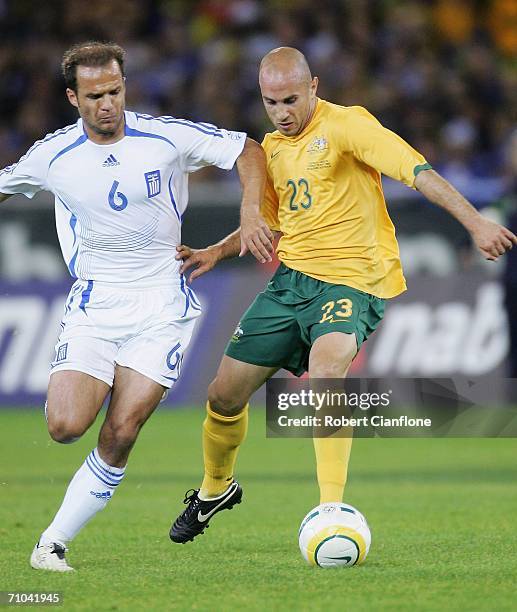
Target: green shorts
(281,325)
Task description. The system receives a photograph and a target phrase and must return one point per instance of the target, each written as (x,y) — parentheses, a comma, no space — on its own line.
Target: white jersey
(119,206)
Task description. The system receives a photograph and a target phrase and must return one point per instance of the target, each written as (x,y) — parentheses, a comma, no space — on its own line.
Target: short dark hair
(92,53)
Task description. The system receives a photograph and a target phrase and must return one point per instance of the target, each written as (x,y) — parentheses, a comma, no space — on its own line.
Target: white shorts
(146,330)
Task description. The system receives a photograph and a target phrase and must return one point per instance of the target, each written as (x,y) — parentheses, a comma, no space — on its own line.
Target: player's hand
(492,239)
(203,260)
(256,237)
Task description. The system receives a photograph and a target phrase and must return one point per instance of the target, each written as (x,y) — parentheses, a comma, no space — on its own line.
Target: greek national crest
(319,144)
(153,181)
(61,352)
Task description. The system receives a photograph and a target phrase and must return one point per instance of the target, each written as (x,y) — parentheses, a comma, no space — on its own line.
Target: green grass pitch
(443,516)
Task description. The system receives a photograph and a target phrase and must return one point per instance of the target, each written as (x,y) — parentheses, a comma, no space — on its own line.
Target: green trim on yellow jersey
(419,168)
(324,194)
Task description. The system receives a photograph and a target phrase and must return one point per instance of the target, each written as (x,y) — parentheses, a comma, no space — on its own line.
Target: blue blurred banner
(440,327)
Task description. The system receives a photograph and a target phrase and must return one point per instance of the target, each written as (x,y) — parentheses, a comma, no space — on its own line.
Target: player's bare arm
(255,234)
(491,239)
(205,259)
(4,196)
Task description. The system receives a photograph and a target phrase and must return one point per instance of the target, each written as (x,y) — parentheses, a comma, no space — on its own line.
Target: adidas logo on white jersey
(111,161)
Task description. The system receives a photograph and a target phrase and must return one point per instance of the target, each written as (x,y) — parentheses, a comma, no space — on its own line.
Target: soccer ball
(334,535)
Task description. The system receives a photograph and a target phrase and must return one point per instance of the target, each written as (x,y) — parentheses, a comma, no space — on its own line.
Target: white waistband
(141,285)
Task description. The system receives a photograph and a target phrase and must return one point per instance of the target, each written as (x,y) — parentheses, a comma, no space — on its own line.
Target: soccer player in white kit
(120,183)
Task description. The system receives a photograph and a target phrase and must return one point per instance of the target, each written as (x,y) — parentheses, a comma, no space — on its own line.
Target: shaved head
(288,89)
(285,63)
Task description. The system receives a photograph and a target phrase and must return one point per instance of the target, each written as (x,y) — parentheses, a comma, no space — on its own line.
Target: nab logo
(153,182)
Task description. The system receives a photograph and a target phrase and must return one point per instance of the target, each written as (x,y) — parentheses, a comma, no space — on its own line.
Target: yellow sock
(222,437)
(332,455)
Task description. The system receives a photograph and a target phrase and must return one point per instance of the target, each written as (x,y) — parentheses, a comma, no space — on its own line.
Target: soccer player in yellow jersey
(339,263)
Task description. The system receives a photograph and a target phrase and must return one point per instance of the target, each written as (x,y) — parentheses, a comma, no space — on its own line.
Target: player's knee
(63,430)
(224,403)
(336,369)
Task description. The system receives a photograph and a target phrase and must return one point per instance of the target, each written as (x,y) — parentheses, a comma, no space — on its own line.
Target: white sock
(89,491)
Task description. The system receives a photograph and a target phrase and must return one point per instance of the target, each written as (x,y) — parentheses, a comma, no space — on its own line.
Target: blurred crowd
(441,73)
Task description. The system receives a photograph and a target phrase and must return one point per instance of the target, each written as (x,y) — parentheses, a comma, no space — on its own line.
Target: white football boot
(50,557)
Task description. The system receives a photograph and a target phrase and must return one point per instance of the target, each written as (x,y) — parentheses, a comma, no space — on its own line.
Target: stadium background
(441,74)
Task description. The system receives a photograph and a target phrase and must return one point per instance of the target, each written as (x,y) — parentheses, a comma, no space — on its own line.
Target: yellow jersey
(324,194)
